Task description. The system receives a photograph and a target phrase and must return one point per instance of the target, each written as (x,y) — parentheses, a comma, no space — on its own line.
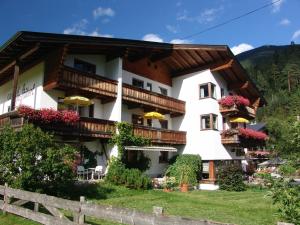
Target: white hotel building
(125,79)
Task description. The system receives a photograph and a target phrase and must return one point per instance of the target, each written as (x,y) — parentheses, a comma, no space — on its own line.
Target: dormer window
(207,90)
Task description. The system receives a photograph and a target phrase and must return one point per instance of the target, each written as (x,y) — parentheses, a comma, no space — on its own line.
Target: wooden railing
(231,140)
(15,199)
(86,127)
(160,135)
(246,111)
(91,83)
(153,100)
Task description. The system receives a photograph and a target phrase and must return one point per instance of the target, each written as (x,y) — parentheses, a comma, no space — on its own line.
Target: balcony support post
(15,85)
(212,171)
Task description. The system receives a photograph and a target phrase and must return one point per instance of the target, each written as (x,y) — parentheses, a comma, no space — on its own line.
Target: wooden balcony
(152,100)
(73,80)
(85,127)
(162,136)
(234,138)
(234,111)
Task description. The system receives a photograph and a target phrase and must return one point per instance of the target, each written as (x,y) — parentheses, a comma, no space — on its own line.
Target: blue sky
(158,20)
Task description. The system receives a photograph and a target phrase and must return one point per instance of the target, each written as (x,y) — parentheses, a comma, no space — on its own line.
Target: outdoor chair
(99,172)
(82,172)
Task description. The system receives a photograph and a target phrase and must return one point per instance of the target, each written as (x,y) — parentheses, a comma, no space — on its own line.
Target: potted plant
(187,177)
(169,184)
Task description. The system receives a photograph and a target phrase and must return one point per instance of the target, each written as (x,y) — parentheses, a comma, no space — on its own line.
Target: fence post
(5,199)
(36,207)
(158,211)
(81,216)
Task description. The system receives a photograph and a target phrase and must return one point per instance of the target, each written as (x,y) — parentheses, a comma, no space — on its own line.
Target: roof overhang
(177,59)
(151,148)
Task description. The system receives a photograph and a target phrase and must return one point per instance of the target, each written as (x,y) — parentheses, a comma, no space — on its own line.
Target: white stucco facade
(206,143)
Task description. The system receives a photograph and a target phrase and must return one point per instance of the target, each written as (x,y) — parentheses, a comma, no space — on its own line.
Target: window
(149,86)
(84,66)
(149,122)
(163,91)
(222,92)
(137,83)
(208,91)
(91,111)
(209,122)
(163,157)
(164,124)
(137,119)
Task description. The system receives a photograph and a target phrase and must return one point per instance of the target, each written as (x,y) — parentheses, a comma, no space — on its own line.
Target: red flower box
(232,100)
(49,115)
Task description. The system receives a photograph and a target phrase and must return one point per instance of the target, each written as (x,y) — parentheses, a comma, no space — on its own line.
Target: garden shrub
(287,196)
(230,178)
(132,178)
(32,160)
(186,169)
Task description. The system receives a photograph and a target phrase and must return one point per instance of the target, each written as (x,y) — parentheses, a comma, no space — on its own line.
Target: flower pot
(167,190)
(184,188)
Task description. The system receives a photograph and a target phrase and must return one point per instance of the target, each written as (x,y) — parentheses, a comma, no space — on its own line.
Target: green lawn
(251,207)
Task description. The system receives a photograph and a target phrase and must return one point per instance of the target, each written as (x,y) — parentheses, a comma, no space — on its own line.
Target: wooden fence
(14,201)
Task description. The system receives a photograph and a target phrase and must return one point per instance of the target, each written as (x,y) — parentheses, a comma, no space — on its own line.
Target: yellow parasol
(77,100)
(239,120)
(154,115)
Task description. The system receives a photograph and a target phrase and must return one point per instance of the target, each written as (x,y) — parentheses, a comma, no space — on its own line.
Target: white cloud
(77,28)
(152,37)
(172,29)
(180,41)
(241,48)
(80,29)
(95,33)
(103,12)
(206,16)
(296,35)
(277,5)
(285,22)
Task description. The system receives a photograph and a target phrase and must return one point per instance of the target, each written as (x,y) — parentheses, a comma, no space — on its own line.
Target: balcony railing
(71,79)
(153,100)
(238,137)
(243,111)
(94,85)
(163,136)
(85,127)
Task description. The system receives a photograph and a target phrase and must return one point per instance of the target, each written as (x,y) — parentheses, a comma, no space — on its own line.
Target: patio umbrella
(77,100)
(239,120)
(154,115)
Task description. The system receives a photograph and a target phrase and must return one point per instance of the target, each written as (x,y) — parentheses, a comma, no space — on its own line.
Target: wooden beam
(223,67)
(212,172)
(237,86)
(11,64)
(159,56)
(256,103)
(29,52)
(215,66)
(15,85)
(20,58)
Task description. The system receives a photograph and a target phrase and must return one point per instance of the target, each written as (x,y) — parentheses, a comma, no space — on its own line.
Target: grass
(251,207)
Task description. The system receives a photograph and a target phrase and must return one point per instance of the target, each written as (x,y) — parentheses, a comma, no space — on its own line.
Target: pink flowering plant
(246,133)
(47,115)
(231,100)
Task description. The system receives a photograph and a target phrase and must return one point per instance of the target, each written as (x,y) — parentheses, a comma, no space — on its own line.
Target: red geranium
(49,115)
(232,100)
(252,134)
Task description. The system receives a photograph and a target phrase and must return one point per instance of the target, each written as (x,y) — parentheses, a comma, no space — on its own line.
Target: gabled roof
(179,59)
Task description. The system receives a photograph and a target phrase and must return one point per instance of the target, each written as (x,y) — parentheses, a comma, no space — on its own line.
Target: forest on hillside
(276,72)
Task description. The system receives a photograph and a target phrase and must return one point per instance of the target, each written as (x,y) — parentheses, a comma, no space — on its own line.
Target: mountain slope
(276,71)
